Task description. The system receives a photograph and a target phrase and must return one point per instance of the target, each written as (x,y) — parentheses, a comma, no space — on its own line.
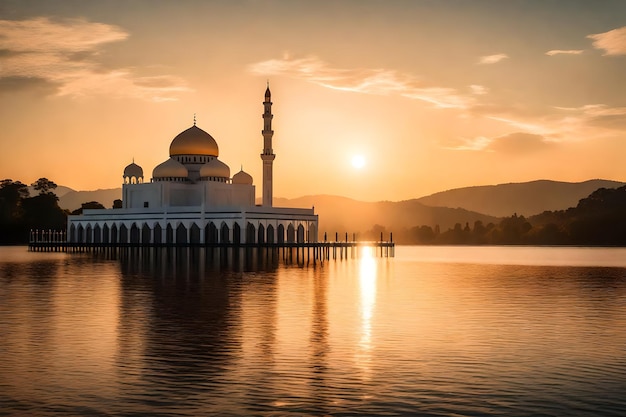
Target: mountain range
(443,209)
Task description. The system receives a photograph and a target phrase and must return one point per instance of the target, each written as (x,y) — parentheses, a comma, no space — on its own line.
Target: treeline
(599,219)
(19,212)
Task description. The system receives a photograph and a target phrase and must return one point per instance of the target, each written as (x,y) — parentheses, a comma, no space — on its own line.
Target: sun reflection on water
(367,290)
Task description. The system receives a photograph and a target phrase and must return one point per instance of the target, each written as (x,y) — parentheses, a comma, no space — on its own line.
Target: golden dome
(242,178)
(215,168)
(194,141)
(170,169)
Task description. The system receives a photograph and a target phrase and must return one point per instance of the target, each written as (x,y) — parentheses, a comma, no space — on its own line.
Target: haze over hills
(445,209)
(527,198)
(341,214)
(72,200)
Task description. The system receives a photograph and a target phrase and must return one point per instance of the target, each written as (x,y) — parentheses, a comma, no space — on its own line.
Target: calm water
(439,331)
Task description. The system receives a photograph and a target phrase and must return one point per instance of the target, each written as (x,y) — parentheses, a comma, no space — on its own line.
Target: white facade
(192,200)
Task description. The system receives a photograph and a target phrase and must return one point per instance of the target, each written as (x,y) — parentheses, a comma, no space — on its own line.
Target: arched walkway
(291,234)
(224,233)
(210,233)
(261,234)
(72,233)
(300,234)
(134,234)
(181,234)
(236,234)
(169,234)
(145,234)
(123,234)
(194,234)
(250,233)
(106,234)
(158,234)
(97,234)
(280,238)
(270,234)
(114,236)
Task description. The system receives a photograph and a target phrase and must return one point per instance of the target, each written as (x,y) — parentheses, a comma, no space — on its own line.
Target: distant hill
(526,198)
(59,191)
(341,214)
(445,209)
(72,200)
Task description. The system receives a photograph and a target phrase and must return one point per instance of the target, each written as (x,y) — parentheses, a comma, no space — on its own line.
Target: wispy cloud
(612,42)
(479,90)
(364,80)
(492,59)
(564,52)
(64,55)
(518,143)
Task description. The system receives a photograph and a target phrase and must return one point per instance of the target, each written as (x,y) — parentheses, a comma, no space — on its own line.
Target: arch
(157,234)
(146,234)
(181,234)
(134,234)
(312,232)
(300,234)
(280,235)
(123,234)
(80,233)
(97,234)
(291,234)
(261,234)
(88,234)
(210,233)
(250,232)
(114,234)
(169,234)
(224,233)
(270,234)
(106,234)
(72,233)
(194,234)
(236,234)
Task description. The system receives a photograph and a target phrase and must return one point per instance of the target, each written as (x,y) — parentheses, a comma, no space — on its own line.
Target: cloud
(564,52)
(519,143)
(478,90)
(492,59)
(478,143)
(64,54)
(366,81)
(513,143)
(612,42)
(599,115)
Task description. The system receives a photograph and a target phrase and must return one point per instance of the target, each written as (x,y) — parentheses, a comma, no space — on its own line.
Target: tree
(44,186)
(117,204)
(90,205)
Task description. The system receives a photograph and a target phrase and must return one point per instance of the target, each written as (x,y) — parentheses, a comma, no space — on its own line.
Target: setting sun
(358,161)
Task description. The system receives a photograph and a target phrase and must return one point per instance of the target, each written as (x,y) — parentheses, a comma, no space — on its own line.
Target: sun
(358,161)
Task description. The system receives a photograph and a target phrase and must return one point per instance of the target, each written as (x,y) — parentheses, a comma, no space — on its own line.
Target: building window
(146,204)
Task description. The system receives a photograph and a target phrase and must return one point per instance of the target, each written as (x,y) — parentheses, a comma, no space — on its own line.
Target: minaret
(268,153)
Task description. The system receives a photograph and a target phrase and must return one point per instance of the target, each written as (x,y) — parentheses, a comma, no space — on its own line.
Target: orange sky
(433,94)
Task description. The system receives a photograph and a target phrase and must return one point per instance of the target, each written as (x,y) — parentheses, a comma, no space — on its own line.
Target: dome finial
(194,119)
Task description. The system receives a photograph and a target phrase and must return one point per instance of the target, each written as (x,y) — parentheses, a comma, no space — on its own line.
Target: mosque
(191,199)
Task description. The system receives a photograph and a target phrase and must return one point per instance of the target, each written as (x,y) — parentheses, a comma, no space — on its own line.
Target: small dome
(133,170)
(170,169)
(194,141)
(242,178)
(215,168)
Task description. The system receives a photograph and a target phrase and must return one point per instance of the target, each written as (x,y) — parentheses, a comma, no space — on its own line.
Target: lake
(435,331)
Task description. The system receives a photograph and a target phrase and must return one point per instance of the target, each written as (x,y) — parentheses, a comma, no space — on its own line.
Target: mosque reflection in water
(206,320)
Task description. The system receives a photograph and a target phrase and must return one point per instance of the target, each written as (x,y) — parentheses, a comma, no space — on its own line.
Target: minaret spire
(268,153)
